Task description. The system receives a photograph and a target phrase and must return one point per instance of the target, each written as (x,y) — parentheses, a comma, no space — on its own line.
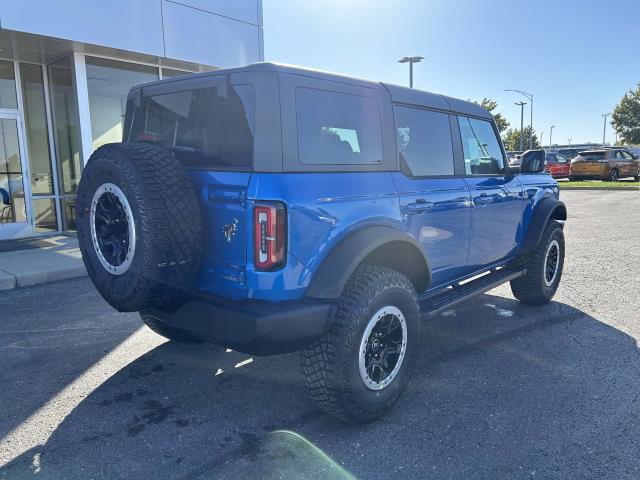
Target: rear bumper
(257,328)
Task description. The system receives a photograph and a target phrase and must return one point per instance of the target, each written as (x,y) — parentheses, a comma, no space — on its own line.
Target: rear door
(434,202)
(497,196)
(209,124)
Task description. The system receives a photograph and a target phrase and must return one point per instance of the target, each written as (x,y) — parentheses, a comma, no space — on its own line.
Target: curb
(9,281)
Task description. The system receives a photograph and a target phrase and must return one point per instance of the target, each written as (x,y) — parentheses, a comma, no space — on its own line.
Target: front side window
(482,152)
(424,141)
(203,127)
(627,155)
(562,158)
(337,128)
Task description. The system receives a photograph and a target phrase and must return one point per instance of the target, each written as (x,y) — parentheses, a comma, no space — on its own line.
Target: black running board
(445,299)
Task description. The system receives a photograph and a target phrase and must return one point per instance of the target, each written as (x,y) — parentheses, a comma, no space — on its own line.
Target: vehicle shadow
(501,390)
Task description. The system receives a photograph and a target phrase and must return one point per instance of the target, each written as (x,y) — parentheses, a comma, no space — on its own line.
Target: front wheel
(361,365)
(544,268)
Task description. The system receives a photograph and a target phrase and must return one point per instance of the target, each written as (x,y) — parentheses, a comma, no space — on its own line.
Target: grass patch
(599,184)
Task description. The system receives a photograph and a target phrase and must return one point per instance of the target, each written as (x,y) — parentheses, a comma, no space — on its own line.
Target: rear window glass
(593,155)
(424,141)
(205,126)
(337,128)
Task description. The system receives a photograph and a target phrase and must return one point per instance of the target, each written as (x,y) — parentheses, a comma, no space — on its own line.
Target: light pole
(541,139)
(604,128)
(569,140)
(521,105)
(551,134)
(411,61)
(529,97)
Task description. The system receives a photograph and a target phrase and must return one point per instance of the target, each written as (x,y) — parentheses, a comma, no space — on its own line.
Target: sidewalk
(41,260)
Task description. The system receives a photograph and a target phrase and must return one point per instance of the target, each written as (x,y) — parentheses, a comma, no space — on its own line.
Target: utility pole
(551,134)
(411,61)
(604,128)
(521,105)
(528,96)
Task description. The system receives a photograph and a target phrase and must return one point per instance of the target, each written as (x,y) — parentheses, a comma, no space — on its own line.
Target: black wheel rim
(112,228)
(551,263)
(383,348)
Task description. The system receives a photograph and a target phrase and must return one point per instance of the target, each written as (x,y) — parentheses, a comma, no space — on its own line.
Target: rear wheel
(544,268)
(361,365)
(614,175)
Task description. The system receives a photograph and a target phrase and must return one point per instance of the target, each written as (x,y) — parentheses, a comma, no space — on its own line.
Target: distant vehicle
(570,153)
(513,157)
(605,164)
(557,165)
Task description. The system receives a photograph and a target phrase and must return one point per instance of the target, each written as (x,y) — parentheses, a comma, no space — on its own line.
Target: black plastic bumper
(257,328)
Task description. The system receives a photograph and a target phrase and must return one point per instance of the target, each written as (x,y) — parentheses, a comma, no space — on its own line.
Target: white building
(65,69)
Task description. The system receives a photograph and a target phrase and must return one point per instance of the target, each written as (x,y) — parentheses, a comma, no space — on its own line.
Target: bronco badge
(230,230)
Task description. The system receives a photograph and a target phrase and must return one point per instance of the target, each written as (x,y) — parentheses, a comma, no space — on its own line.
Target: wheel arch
(377,245)
(547,209)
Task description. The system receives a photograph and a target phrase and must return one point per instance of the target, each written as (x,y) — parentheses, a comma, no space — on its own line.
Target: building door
(15,200)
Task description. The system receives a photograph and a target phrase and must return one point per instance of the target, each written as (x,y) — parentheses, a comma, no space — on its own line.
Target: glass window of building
(7,85)
(66,127)
(35,117)
(12,196)
(109,82)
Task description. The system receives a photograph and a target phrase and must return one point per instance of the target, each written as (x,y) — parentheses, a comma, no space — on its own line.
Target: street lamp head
(520,104)
(415,59)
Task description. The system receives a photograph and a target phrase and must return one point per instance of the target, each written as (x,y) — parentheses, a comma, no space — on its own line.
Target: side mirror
(532,161)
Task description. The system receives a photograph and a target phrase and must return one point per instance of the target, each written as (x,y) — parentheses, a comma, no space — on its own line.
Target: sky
(577,58)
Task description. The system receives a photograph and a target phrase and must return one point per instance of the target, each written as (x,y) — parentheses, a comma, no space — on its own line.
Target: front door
(15,216)
(496,194)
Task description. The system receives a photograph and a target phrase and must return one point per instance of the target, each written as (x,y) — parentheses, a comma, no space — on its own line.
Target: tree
(490,105)
(626,117)
(511,139)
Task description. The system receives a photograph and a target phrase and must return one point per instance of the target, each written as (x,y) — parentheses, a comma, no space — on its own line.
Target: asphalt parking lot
(501,390)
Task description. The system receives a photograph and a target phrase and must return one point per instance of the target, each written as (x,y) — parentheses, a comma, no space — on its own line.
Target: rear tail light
(270,236)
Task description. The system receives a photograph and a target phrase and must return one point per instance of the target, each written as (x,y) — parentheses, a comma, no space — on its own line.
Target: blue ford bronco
(272,208)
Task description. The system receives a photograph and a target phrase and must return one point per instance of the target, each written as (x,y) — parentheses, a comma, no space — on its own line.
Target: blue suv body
(306,181)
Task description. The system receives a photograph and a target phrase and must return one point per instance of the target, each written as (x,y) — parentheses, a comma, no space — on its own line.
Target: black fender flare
(547,209)
(380,241)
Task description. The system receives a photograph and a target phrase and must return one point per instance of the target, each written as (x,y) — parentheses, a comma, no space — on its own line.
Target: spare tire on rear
(139,226)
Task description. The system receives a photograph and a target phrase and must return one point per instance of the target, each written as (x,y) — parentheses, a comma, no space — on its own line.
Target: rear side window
(203,126)
(337,128)
(424,141)
(482,152)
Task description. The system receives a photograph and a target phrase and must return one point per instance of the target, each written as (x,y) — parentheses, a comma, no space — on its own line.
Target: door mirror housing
(532,161)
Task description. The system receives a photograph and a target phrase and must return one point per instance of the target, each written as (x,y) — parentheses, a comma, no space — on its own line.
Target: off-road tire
(330,365)
(167,225)
(172,333)
(531,287)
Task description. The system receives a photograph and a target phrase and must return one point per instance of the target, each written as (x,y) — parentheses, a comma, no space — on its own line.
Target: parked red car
(557,165)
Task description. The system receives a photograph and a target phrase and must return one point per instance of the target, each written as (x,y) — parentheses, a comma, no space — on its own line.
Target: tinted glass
(551,158)
(109,82)
(337,128)
(593,155)
(424,141)
(204,126)
(627,155)
(482,152)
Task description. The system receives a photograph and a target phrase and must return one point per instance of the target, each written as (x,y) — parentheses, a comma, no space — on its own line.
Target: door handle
(420,206)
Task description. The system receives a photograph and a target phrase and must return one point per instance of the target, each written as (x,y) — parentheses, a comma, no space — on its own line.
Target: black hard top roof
(398,94)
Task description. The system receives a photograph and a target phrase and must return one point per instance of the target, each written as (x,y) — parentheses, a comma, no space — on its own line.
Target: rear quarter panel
(322,209)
